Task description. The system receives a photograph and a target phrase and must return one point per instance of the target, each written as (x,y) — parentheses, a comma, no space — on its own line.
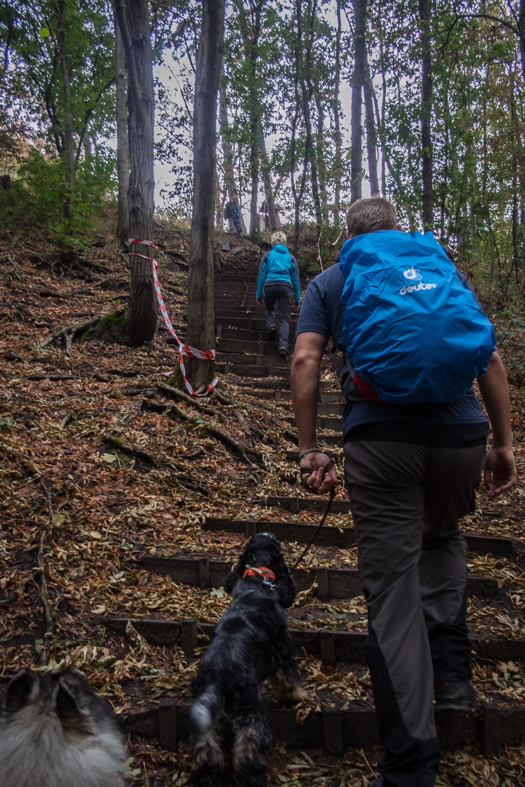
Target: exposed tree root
(213,430)
(156,461)
(169,389)
(222,398)
(243,422)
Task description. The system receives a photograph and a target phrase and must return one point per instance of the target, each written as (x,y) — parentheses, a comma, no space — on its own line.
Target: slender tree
(200,331)
(425,14)
(371,136)
(357,88)
(267,181)
(227,152)
(337,122)
(122,139)
(140,319)
(69,141)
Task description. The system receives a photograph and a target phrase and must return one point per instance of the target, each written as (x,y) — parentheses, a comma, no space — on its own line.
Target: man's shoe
(455,695)
(272,333)
(283,353)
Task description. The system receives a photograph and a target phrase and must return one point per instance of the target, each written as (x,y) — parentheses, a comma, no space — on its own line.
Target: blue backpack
(414,332)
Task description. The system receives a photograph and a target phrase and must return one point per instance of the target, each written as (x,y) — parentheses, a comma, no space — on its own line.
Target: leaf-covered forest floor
(83,512)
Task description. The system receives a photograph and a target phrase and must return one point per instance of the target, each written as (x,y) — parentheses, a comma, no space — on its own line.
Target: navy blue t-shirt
(323,312)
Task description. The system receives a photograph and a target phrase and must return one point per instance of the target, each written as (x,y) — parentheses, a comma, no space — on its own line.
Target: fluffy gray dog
(56,732)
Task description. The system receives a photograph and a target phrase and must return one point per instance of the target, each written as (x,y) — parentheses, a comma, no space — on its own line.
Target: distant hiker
(413,456)
(232,212)
(278,280)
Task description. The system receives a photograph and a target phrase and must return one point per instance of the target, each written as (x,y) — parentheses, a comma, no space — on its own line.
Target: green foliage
(35,199)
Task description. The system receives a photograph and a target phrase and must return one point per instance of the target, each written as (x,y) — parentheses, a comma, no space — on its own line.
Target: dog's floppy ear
(287,590)
(235,574)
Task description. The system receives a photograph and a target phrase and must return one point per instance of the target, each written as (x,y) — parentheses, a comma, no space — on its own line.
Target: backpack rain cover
(413,331)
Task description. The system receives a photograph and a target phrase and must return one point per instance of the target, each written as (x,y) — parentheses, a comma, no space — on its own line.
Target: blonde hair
(279,237)
(370,215)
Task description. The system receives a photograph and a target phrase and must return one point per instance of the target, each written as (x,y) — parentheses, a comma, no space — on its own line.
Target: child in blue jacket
(278,279)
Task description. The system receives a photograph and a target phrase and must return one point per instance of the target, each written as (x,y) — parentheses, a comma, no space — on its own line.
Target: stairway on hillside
(343,721)
(246,357)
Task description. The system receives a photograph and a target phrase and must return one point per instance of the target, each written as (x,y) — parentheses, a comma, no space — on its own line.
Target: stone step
(327,422)
(331,408)
(251,371)
(237,278)
(285,531)
(344,538)
(275,387)
(246,321)
(331,646)
(332,583)
(335,729)
(332,396)
(296,504)
(248,336)
(279,388)
(259,348)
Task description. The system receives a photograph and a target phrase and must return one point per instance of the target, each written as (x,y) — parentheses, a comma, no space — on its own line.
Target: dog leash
(321,523)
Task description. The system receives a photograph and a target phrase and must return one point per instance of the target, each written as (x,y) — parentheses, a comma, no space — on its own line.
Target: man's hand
(297,307)
(260,301)
(499,472)
(318,472)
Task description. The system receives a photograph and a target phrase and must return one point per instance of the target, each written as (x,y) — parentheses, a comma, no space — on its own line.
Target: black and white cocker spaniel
(251,643)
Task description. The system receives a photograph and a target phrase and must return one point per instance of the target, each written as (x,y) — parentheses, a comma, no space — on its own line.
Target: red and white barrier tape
(184,349)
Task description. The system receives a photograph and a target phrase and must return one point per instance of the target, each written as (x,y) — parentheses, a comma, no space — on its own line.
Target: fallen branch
(127,448)
(69,330)
(50,624)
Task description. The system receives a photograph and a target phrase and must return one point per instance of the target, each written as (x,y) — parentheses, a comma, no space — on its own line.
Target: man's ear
(349,234)
(399,228)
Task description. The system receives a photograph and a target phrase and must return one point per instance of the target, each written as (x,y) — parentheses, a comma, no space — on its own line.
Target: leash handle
(321,523)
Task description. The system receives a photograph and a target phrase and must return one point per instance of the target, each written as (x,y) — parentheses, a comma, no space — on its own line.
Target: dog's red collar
(260,571)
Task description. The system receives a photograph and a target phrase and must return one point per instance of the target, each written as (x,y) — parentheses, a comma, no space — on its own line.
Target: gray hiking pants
(280,293)
(406,500)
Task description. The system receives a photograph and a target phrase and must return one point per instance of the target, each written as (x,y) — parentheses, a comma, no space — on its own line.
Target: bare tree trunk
(321,164)
(200,332)
(140,319)
(250,35)
(69,142)
(371,136)
(307,93)
(268,191)
(297,195)
(254,172)
(229,180)
(521,25)
(122,139)
(337,125)
(356,164)
(425,11)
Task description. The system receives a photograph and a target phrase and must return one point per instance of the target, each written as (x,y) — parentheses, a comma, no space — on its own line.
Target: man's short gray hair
(279,237)
(369,215)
